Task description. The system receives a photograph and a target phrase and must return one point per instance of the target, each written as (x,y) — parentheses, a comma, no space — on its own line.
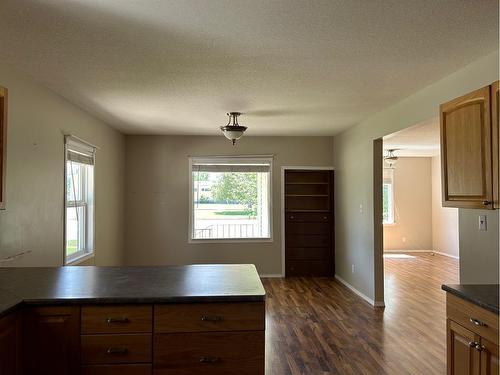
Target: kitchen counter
(485,296)
(167,284)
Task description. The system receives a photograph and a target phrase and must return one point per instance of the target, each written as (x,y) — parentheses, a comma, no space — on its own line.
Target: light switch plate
(483,224)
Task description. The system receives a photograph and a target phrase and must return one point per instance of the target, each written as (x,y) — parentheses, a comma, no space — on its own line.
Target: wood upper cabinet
(470,149)
(52,340)
(10,344)
(495,117)
(466,151)
(463,358)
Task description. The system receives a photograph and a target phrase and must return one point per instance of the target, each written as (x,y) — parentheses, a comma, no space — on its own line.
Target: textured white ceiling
(295,67)
(421,140)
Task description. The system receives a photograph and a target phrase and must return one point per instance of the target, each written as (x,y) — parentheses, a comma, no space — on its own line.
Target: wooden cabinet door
(490,362)
(10,345)
(52,340)
(466,155)
(495,117)
(462,357)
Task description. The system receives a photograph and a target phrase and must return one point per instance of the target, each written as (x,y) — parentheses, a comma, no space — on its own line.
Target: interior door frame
(282,195)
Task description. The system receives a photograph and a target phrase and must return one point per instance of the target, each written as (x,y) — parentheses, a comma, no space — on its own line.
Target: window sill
(231,240)
(389,224)
(80,259)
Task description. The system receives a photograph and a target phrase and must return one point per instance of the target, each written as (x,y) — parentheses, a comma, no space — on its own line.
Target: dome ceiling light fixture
(390,158)
(233,131)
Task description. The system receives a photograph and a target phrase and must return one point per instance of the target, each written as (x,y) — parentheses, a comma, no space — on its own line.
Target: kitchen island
(203,319)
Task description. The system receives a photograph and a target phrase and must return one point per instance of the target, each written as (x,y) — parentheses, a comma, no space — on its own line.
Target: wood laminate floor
(318,326)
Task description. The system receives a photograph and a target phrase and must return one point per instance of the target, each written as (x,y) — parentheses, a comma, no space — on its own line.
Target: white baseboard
(270,275)
(446,255)
(422,251)
(358,293)
(409,251)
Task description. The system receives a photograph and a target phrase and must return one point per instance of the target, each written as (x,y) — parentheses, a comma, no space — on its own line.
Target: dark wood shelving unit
(309,225)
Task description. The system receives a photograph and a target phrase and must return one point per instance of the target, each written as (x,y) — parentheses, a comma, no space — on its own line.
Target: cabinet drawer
(132,369)
(312,217)
(207,317)
(474,318)
(129,348)
(220,353)
(117,319)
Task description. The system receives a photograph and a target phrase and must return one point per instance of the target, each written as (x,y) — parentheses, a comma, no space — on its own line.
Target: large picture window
(79,200)
(388,196)
(230,198)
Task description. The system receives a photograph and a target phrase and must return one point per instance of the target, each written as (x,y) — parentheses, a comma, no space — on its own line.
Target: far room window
(79,200)
(388,196)
(230,198)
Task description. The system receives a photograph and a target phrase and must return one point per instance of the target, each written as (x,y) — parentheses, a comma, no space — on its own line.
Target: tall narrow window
(231,198)
(79,200)
(388,196)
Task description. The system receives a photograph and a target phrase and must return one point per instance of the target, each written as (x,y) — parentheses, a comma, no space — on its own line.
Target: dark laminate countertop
(485,296)
(168,284)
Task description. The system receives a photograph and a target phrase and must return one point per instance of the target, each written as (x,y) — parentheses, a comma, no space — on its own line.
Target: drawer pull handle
(117,320)
(117,351)
(209,359)
(211,318)
(478,322)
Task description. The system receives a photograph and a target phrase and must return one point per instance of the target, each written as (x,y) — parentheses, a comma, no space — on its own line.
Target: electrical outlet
(360,208)
(483,224)
(353,268)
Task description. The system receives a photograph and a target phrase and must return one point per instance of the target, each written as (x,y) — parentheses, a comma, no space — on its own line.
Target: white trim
(358,293)
(446,255)
(270,275)
(282,193)
(80,259)
(270,159)
(409,251)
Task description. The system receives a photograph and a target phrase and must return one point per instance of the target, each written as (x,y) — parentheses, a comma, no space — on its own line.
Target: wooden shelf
(323,211)
(306,183)
(306,195)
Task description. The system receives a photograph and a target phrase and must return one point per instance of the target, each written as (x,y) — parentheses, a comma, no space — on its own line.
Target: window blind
(79,152)
(239,164)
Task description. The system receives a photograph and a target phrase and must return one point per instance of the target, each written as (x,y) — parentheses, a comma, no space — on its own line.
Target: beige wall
(157,208)
(353,159)
(412,229)
(479,257)
(33,220)
(444,219)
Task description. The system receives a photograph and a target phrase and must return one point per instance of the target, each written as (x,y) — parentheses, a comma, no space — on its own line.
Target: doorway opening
(418,236)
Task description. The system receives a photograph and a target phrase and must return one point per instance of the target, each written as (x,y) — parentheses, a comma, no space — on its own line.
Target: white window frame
(392,202)
(244,158)
(77,144)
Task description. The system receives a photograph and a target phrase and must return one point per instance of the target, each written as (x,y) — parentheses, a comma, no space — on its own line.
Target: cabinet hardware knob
(486,203)
(211,318)
(292,217)
(325,217)
(117,320)
(209,359)
(478,322)
(472,344)
(117,351)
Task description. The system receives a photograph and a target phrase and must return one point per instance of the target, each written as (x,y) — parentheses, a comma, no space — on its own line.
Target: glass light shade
(391,160)
(233,132)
